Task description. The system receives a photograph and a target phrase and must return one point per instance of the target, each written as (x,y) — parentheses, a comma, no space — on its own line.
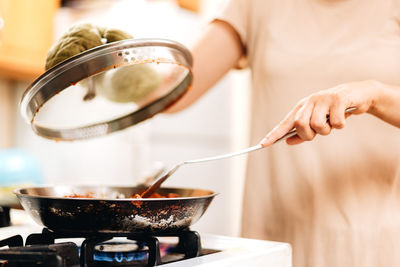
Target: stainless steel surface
(157,183)
(108,211)
(91,92)
(51,104)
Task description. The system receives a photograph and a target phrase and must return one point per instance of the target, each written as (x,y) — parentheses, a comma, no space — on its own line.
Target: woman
(336,199)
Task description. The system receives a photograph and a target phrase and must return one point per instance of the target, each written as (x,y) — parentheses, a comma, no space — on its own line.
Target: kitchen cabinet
(193,5)
(26,36)
(26,33)
(6,113)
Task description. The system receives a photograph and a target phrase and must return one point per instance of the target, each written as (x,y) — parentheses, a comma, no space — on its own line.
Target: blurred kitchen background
(215,125)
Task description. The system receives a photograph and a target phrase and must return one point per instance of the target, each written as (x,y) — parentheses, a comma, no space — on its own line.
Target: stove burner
(57,255)
(140,249)
(4,216)
(120,252)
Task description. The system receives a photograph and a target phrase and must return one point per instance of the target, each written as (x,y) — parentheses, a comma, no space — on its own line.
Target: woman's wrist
(377,91)
(386,102)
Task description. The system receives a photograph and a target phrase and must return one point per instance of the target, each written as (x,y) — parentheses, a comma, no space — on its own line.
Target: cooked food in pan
(93,195)
(87,195)
(157,195)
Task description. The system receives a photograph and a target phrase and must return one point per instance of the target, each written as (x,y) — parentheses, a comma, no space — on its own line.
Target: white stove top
(234,251)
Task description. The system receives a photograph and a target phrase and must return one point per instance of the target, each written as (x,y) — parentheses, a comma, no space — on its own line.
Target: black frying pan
(106,213)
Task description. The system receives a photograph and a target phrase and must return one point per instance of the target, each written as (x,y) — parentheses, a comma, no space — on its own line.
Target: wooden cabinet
(26,34)
(7,107)
(193,5)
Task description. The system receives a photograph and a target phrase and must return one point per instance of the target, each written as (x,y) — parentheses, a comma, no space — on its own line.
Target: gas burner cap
(120,247)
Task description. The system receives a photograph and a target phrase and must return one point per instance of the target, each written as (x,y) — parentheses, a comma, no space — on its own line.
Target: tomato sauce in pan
(154,195)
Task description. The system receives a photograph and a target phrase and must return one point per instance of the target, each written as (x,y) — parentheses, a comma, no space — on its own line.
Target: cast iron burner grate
(41,250)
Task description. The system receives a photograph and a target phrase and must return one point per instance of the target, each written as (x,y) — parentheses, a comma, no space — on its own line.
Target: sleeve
(236,14)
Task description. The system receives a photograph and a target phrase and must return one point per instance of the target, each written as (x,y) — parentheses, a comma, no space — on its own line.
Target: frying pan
(49,207)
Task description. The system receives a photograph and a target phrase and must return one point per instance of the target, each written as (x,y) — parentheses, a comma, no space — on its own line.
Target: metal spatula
(157,183)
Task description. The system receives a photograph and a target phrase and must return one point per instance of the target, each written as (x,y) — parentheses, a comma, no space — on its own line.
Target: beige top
(336,199)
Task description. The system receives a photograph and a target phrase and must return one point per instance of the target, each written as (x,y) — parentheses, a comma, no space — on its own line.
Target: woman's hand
(309,116)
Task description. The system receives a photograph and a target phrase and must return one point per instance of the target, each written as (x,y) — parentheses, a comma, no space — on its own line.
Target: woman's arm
(309,115)
(387,104)
(217,51)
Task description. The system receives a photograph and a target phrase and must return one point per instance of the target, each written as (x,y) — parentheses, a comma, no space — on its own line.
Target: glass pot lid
(107,88)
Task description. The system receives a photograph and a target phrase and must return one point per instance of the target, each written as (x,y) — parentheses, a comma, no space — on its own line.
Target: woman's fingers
(277,132)
(282,128)
(318,121)
(302,122)
(338,115)
(294,140)
(309,117)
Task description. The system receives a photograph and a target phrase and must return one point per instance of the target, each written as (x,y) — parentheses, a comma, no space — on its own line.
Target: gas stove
(27,244)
